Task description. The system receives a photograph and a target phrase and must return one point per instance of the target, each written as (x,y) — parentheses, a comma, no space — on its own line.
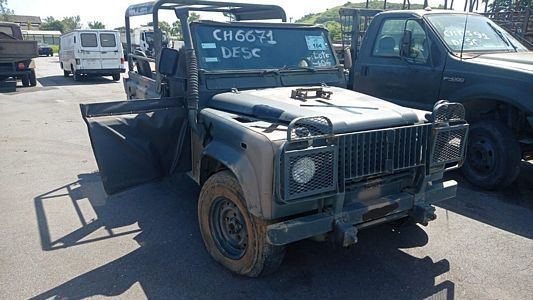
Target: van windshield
(238,47)
(481,34)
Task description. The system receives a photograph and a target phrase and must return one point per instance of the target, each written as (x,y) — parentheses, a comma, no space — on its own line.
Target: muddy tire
(493,155)
(25,80)
(33,78)
(232,235)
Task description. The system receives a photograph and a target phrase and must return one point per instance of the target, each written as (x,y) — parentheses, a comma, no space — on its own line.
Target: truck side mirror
(405,46)
(347,56)
(168,61)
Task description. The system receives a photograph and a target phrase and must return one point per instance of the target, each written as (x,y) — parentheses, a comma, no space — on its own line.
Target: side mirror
(405,46)
(347,55)
(168,61)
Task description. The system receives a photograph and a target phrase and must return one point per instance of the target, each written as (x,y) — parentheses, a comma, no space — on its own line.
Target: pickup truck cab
(282,151)
(417,57)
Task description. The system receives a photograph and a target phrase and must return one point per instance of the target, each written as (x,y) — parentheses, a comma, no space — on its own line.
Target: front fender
(242,168)
(517,96)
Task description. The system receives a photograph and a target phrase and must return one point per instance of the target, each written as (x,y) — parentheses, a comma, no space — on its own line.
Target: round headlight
(303,170)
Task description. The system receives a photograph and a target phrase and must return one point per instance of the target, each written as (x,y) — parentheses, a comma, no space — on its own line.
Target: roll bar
(241,11)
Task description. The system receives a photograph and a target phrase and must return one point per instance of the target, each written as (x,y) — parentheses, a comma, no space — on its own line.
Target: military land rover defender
(257,114)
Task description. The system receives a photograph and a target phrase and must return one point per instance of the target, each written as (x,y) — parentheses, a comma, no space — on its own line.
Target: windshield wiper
(502,37)
(291,68)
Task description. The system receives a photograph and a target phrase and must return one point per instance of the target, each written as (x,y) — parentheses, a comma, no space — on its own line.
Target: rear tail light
(122,60)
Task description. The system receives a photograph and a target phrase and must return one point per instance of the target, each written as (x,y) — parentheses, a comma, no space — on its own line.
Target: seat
(387,45)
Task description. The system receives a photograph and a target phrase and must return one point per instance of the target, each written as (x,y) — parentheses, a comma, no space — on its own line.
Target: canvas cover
(136,141)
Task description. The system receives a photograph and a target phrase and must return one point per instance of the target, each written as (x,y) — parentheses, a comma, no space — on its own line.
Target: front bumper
(345,224)
(102,72)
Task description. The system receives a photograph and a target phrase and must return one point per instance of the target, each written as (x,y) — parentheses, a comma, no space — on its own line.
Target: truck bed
(16,50)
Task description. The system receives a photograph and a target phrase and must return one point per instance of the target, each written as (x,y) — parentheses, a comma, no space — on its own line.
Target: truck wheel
(33,78)
(493,155)
(233,236)
(25,80)
(116,77)
(66,73)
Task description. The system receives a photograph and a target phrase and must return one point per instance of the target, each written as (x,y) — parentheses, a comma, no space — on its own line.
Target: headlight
(303,170)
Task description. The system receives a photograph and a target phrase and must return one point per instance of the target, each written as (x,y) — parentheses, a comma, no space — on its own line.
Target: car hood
(348,110)
(515,60)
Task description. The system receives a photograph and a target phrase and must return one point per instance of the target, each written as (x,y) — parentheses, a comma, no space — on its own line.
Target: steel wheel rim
(481,155)
(228,228)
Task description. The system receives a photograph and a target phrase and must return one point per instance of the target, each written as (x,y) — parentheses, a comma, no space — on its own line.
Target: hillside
(330,17)
(332,14)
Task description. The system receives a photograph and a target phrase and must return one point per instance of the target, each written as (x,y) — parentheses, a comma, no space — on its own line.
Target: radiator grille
(383,151)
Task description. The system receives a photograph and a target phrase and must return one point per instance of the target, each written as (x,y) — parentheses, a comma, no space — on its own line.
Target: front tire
(232,235)
(33,78)
(25,80)
(116,77)
(493,155)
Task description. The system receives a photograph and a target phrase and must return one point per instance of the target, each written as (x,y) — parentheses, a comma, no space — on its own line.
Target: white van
(91,52)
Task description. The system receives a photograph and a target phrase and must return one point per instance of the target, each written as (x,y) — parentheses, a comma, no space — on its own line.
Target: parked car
(417,57)
(45,49)
(91,52)
(282,151)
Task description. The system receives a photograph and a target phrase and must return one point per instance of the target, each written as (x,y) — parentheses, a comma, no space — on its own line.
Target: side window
(107,40)
(389,37)
(6,29)
(88,40)
(420,47)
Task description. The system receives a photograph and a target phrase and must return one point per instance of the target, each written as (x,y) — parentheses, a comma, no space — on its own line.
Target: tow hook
(345,234)
(423,213)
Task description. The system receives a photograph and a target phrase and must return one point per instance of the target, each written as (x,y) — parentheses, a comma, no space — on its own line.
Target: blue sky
(111,12)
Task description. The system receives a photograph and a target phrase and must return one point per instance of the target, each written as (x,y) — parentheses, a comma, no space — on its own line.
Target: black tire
(66,73)
(245,251)
(33,78)
(116,77)
(493,155)
(25,80)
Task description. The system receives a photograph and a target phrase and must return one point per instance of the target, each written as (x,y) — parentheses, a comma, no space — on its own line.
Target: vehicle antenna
(464,35)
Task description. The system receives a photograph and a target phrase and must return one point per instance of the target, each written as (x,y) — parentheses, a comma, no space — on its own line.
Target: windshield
(481,34)
(227,47)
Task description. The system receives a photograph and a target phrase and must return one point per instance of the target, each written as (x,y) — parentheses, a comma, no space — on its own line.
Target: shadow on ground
(171,261)
(510,209)
(60,80)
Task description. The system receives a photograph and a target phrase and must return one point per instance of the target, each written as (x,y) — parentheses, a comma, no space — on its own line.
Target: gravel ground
(63,237)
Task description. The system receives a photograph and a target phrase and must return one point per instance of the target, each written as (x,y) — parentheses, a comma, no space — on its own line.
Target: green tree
(175,30)
(5,12)
(50,23)
(96,25)
(71,23)
(335,31)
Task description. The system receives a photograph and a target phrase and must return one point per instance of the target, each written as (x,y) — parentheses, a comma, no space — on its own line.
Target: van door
(137,141)
(110,52)
(89,51)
